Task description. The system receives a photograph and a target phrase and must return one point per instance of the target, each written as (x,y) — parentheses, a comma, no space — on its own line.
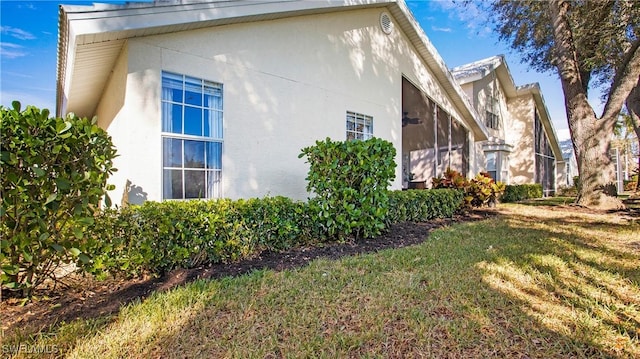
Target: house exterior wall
(520,130)
(479,91)
(286,83)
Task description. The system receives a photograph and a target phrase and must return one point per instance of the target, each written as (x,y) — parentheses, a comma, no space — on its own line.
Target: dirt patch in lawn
(85,298)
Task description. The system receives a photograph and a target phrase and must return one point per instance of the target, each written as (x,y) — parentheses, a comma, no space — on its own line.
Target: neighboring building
(571,164)
(207,99)
(522,145)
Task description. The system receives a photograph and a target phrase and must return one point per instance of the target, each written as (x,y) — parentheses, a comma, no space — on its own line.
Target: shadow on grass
(573,282)
(513,287)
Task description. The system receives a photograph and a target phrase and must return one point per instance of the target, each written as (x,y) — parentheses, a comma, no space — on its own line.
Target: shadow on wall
(132,195)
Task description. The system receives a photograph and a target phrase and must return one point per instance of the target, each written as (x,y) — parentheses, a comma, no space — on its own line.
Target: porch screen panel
(460,147)
(544,161)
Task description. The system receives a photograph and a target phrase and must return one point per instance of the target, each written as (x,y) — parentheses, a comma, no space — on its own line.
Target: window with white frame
(492,117)
(191,137)
(492,165)
(359,127)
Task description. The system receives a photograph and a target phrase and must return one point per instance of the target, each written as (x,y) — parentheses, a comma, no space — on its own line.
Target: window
(492,165)
(492,118)
(359,127)
(191,137)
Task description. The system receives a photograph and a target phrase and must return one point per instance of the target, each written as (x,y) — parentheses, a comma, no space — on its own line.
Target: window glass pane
(193,154)
(172,152)
(212,123)
(491,161)
(194,184)
(214,155)
(192,121)
(171,87)
(171,118)
(213,98)
(172,184)
(193,91)
(167,117)
(213,183)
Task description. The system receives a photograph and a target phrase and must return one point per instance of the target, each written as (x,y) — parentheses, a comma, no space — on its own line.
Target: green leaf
(87,221)
(57,247)
(10,269)
(52,197)
(84,258)
(63,183)
(39,171)
(62,127)
(75,252)
(78,232)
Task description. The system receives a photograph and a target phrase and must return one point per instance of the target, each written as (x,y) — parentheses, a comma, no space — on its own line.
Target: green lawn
(533,282)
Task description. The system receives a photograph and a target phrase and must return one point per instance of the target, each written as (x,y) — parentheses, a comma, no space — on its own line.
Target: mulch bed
(86,298)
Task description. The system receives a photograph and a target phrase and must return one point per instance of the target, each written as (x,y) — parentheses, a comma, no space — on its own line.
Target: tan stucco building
(207,99)
(522,146)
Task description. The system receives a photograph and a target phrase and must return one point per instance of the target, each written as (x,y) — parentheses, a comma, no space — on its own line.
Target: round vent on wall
(385,23)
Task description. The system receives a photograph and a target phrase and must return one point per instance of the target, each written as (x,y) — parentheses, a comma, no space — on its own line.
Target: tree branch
(633,105)
(625,79)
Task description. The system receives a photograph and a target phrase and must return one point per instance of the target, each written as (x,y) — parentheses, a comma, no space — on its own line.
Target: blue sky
(29,33)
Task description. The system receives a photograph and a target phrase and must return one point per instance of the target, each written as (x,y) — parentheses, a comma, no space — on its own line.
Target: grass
(532,283)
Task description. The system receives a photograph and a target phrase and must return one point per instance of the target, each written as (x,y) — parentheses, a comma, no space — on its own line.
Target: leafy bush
(158,237)
(483,190)
(631,185)
(479,191)
(350,180)
(54,173)
(423,205)
(515,193)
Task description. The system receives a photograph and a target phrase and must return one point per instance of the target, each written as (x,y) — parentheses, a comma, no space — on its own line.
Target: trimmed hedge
(158,237)
(423,205)
(515,193)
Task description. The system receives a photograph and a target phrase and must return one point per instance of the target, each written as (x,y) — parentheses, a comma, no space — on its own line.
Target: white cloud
(11,51)
(441,29)
(471,13)
(17,33)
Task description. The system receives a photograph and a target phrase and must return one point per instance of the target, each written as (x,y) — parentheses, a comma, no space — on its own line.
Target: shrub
(483,190)
(423,205)
(54,173)
(515,193)
(350,180)
(479,191)
(158,237)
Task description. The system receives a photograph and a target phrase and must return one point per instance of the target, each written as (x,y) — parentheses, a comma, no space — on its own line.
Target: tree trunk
(589,134)
(633,106)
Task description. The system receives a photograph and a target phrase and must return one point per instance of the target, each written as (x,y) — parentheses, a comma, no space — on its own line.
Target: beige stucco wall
(520,133)
(478,91)
(287,83)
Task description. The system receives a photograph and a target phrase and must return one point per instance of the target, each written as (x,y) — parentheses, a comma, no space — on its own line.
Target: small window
(492,167)
(359,127)
(492,116)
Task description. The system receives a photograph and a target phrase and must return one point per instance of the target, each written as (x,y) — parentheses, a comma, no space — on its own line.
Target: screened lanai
(432,139)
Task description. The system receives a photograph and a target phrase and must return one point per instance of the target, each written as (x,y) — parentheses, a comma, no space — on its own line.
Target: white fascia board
(127,20)
(478,70)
